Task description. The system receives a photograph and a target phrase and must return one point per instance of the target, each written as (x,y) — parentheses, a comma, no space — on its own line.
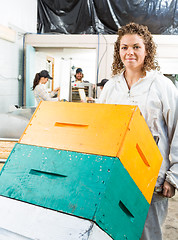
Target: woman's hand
(90,100)
(168,190)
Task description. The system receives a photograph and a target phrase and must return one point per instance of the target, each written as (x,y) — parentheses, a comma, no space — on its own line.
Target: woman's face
(132,51)
(43,80)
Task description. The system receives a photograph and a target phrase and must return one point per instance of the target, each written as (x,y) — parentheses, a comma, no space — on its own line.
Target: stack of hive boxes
(95,162)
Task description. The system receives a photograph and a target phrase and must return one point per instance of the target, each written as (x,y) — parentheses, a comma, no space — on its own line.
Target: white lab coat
(157,98)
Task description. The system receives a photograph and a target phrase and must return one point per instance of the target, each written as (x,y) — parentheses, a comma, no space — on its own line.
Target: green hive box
(93,187)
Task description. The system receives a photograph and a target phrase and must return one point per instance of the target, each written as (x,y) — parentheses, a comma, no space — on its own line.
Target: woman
(40,92)
(137,81)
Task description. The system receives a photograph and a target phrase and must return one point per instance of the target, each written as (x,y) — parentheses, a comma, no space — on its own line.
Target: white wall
(18,17)
(167,53)
(19,13)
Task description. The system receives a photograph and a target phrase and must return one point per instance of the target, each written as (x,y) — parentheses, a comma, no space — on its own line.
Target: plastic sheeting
(105,16)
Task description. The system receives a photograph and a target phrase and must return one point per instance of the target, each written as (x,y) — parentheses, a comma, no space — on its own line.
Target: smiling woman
(137,81)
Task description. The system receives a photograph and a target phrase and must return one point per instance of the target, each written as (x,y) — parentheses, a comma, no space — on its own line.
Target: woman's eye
(136,47)
(124,48)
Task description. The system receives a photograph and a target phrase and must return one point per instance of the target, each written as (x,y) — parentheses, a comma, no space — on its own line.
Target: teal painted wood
(90,186)
(123,208)
(60,180)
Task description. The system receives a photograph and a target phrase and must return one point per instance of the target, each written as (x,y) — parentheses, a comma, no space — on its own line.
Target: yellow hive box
(102,129)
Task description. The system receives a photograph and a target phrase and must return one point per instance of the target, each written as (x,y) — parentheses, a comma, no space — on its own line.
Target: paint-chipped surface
(61,180)
(100,129)
(93,187)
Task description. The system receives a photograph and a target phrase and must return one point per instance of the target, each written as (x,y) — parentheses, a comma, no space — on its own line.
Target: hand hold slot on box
(47,174)
(142,155)
(126,211)
(59,124)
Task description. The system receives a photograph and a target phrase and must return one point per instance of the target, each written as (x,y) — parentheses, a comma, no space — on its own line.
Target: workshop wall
(16,19)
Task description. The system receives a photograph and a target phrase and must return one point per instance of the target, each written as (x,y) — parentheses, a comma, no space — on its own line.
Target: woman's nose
(130,51)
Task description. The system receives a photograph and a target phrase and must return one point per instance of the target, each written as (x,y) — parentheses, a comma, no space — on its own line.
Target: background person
(79,75)
(102,83)
(137,81)
(39,90)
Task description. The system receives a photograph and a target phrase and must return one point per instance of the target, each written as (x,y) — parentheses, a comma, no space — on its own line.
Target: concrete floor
(170,228)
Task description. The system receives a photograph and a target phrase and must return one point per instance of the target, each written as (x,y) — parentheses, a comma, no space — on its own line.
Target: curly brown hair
(150,47)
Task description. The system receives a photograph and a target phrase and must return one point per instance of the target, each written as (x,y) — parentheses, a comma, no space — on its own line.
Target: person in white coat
(39,90)
(136,80)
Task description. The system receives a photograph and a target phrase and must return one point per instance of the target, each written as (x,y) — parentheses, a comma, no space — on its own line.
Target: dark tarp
(105,16)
